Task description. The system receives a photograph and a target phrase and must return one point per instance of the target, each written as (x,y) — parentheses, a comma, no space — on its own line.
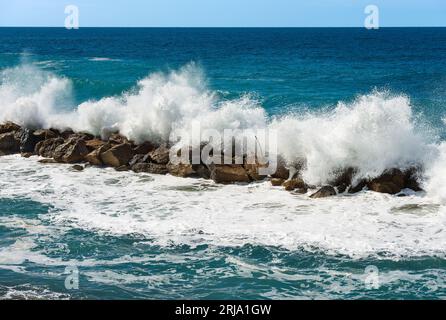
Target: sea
(337,97)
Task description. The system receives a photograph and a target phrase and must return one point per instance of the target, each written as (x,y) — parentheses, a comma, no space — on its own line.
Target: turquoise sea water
(135,236)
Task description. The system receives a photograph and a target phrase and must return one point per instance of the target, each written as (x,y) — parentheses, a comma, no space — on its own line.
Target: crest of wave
(373,133)
(159,103)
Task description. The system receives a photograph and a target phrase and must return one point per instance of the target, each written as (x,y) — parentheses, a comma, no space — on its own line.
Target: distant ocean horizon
(338,97)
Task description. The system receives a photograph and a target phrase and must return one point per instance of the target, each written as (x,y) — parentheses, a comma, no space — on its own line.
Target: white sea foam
(169,210)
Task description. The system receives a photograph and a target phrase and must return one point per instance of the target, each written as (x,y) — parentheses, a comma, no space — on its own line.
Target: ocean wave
(374,132)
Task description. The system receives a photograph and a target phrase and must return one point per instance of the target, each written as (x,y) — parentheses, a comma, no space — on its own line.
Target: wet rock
(201,171)
(160,155)
(324,192)
(47,161)
(227,174)
(281,172)
(277,182)
(94,157)
(45,134)
(153,168)
(47,147)
(9,127)
(181,170)
(144,148)
(77,167)
(9,142)
(28,141)
(138,158)
(72,151)
(293,184)
(357,187)
(117,156)
(123,168)
(26,154)
(253,171)
(411,179)
(94,144)
(391,182)
(116,138)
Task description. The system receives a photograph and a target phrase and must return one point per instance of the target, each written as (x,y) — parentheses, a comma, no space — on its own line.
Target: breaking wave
(372,133)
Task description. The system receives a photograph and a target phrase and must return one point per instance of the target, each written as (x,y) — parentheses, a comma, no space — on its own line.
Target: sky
(222,13)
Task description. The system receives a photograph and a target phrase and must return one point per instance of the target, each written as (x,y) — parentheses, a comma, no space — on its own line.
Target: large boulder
(144,148)
(72,151)
(160,155)
(391,182)
(9,127)
(46,148)
(282,172)
(295,184)
(45,134)
(9,142)
(28,141)
(181,170)
(253,171)
(117,156)
(227,174)
(324,192)
(94,157)
(153,168)
(94,144)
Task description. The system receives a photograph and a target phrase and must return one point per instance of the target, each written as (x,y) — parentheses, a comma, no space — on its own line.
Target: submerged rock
(277,182)
(324,192)
(77,167)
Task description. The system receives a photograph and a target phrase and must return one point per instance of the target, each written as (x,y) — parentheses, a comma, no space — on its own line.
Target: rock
(181,170)
(66,134)
(9,142)
(391,182)
(118,155)
(47,161)
(150,168)
(138,158)
(26,154)
(227,174)
(294,184)
(116,138)
(253,171)
(123,168)
(277,182)
(45,134)
(28,141)
(72,151)
(77,167)
(9,127)
(358,187)
(94,157)
(281,172)
(201,171)
(160,155)
(46,148)
(144,148)
(94,144)
(411,179)
(324,192)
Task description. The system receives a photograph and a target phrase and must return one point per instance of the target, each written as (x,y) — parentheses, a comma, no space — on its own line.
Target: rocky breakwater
(77,149)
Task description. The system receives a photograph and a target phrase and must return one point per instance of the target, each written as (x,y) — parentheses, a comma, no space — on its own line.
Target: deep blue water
(287,70)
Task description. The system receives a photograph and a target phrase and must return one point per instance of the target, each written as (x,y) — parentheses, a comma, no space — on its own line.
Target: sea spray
(373,133)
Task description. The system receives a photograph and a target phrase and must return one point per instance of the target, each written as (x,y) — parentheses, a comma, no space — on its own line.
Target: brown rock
(26,154)
(277,182)
(46,148)
(144,148)
(45,134)
(77,167)
(9,142)
(150,168)
(118,155)
(72,151)
(123,168)
(181,170)
(293,184)
(160,155)
(227,174)
(281,172)
(94,144)
(9,127)
(94,157)
(116,138)
(253,171)
(391,182)
(324,192)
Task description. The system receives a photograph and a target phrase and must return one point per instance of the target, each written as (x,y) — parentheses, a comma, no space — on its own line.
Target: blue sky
(223,13)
